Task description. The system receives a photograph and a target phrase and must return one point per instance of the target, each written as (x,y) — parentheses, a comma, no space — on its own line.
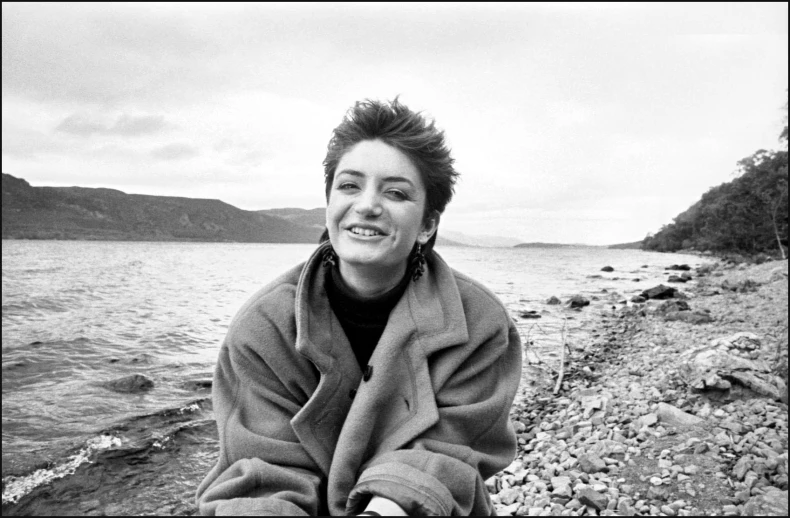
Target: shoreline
(629,434)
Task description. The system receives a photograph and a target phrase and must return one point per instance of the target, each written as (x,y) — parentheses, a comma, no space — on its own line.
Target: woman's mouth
(366,232)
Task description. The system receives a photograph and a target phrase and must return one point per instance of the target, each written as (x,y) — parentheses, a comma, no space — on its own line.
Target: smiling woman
(373,378)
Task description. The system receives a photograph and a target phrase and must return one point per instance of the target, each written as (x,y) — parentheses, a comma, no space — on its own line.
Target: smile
(366,232)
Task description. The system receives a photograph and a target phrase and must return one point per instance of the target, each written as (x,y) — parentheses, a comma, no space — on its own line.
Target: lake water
(77,314)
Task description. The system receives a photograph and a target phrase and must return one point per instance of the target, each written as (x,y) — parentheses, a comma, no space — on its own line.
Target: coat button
(368,372)
(352,393)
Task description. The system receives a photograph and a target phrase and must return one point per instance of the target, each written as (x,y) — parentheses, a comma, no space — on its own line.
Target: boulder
(743,341)
(607,269)
(668,306)
(659,292)
(715,368)
(638,299)
(553,301)
(577,301)
(682,267)
(772,503)
(133,384)
(204,384)
(675,278)
(686,275)
(673,416)
(692,317)
(744,286)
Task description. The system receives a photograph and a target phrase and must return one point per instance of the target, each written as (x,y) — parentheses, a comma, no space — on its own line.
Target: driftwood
(562,357)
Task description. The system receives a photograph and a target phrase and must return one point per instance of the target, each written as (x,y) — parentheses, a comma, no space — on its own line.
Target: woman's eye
(346,186)
(398,195)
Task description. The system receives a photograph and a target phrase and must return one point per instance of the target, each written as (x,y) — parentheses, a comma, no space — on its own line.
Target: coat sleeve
(442,472)
(258,388)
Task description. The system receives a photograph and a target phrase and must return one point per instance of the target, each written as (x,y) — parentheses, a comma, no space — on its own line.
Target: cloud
(177,151)
(80,124)
(128,125)
(85,125)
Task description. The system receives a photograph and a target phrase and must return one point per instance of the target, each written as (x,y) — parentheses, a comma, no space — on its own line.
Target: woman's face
(376,207)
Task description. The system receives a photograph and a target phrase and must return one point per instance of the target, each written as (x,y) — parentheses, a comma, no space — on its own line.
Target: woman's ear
(429,226)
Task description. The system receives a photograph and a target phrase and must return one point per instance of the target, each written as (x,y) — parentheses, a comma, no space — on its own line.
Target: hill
(627,246)
(481,241)
(108,214)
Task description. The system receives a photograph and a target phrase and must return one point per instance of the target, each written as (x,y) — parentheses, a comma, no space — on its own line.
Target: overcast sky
(576,123)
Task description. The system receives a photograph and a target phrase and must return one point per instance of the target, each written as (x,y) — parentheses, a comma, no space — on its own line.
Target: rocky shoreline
(675,406)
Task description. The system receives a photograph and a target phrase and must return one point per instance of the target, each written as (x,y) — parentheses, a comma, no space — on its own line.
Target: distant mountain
(108,214)
(306,217)
(482,241)
(626,246)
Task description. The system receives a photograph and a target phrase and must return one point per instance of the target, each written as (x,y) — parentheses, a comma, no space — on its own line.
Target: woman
(373,378)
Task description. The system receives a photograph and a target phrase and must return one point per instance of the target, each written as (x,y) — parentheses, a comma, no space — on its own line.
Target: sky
(569,122)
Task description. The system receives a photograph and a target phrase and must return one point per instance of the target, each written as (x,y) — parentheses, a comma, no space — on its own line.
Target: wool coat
(304,430)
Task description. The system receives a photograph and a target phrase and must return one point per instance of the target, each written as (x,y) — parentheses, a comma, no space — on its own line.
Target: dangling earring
(329,258)
(418,263)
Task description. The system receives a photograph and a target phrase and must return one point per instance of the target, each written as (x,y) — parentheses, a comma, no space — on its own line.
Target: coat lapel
(321,339)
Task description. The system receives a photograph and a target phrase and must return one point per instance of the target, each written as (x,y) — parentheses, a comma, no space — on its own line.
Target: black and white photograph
(395,259)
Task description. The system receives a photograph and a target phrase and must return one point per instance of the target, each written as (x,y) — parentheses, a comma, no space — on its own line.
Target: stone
(553,301)
(577,301)
(668,510)
(659,292)
(691,469)
(673,416)
(646,420)
(638,299)
(509,510)
(762,383)
(196,385)
(592,498)
(529,314)
(508,496)
(692,317)
(657,492)
(134,384)
(675,278)
(668,306)
(607,269)
(680,267)
(514,467)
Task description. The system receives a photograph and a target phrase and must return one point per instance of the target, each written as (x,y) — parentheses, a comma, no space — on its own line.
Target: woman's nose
(369,204)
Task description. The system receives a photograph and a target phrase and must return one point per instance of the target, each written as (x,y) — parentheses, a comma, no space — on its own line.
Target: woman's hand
(384,507)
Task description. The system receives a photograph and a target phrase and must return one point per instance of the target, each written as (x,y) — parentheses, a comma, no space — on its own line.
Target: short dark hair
(417,137)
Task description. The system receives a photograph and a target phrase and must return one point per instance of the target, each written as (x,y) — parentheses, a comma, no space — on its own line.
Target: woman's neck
(369,282)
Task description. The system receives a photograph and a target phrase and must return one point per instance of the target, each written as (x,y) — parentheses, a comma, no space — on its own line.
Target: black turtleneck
(363,320)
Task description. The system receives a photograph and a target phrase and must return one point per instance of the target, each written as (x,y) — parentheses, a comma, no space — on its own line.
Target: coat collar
(428,318)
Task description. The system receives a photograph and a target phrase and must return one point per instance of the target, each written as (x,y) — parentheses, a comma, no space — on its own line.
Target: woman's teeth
(364,232)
